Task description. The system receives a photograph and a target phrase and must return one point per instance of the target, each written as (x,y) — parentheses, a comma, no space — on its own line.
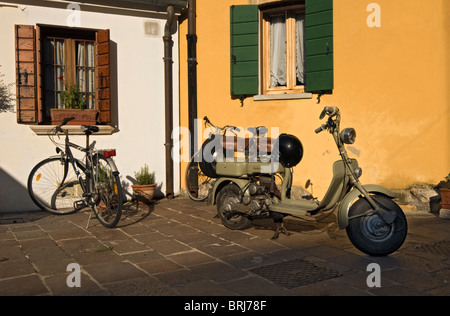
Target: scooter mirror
(308,183)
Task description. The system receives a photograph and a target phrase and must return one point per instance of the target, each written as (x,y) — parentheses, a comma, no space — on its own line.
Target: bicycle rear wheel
(197,183)
(51,189)
(108,193)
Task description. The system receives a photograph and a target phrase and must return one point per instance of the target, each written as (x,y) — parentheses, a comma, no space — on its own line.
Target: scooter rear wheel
(370,234)
(228,196)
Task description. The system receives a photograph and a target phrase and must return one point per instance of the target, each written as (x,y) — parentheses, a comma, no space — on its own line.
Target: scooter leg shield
(348,200)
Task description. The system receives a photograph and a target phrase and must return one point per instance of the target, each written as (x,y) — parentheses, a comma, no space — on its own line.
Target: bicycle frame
(87,184)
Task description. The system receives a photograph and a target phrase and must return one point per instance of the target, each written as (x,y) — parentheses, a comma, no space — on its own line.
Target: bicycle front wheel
(108,193)
(54,187)
(197,183)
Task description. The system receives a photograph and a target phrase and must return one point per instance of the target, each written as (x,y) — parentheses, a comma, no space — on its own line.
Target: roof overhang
(155,6)
(144,5)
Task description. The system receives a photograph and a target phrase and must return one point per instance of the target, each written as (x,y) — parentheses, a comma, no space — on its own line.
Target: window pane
(49,51)
(85,71)
(300,48)
(59,52)
(278,68)
(54,72)
(80,57)
(59,78)
(90,54)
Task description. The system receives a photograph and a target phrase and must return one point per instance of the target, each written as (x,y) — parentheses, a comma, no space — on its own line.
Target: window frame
(70,69)
(291,86)
(30,66)
(70,36)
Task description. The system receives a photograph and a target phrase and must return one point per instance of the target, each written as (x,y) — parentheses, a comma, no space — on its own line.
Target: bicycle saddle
(89,129)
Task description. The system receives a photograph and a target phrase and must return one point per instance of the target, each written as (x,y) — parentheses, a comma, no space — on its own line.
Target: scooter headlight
(348,135)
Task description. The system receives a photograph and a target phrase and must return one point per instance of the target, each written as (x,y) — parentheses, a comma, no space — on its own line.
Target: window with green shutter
(296,48)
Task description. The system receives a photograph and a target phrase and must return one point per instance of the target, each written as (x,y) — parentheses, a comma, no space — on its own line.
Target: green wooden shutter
(244,49)
(319,45)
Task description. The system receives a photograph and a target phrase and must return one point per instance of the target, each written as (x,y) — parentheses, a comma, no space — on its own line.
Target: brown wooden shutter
(26,79)
(103,76)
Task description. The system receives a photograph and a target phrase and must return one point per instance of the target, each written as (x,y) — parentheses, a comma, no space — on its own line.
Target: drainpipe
(192,72)
(168,77)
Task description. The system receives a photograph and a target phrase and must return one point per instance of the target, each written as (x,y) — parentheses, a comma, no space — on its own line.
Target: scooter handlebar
(331,110)
(321,128)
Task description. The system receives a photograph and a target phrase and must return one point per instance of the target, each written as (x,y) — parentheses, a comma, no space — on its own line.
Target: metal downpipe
(168,84)
(192,72)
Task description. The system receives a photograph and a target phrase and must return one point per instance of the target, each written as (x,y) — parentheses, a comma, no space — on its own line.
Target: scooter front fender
(221,182)
(350,197)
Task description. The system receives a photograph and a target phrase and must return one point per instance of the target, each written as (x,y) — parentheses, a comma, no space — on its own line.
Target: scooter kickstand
(278,220)
(280,229)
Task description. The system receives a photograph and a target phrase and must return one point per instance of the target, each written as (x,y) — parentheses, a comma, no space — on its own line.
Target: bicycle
(63,184)
(200,174)
(201,170)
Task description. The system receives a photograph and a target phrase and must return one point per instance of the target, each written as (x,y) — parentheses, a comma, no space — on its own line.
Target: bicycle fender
(220,183)
(113,166)
(350,197)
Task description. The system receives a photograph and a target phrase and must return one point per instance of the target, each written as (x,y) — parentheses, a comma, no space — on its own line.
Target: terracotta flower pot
(144,193)
(445,198)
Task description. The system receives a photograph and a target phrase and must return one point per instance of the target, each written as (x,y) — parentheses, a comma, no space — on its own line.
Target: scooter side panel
(347,202)
(245,168)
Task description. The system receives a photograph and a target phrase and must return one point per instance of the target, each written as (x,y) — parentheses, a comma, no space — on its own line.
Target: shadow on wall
(14,196)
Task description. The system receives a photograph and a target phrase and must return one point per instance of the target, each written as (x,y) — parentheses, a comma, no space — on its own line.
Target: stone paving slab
(179,247)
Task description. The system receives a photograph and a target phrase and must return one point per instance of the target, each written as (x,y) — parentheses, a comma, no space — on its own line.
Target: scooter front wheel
(369,233)
(226,198)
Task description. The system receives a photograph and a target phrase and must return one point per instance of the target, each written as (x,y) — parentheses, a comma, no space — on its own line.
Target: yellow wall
(391,83)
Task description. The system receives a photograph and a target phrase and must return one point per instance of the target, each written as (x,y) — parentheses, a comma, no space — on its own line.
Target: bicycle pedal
(78,205)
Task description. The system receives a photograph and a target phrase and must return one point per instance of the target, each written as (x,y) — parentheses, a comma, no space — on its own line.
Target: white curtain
(81,73)
(59,63)
(278,51)
(90,76)
(54,72)
(300,48)
(85,70)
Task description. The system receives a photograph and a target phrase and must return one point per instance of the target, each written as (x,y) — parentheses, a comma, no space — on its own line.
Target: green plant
(444,184)
(73,98)
(144,176)
(6,97)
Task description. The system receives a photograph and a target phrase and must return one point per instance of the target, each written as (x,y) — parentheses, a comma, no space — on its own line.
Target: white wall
(140,99)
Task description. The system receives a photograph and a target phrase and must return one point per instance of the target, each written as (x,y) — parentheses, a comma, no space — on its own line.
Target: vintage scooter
(246,190)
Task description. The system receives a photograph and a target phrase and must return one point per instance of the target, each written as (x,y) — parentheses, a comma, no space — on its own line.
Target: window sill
(73,129)
(287,96)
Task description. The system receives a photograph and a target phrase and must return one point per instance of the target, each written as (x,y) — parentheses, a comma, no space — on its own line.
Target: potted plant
(144,188)
(74,106)
(444,188)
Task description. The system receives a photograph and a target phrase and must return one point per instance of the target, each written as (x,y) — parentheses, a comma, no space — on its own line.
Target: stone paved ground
(178,247)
